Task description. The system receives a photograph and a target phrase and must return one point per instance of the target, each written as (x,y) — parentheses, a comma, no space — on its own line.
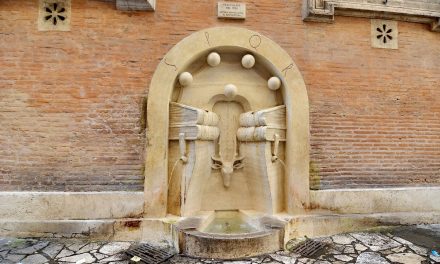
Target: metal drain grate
(151,255)
(309,248)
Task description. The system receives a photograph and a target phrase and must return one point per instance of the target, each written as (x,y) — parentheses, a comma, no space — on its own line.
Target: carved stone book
(195,132)
(184,115)
(261,133)
(274,117)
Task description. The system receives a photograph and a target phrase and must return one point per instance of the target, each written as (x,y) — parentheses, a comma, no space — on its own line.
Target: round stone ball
(213,59)
(248,61)
(230,91)
(274,83)
(185,78)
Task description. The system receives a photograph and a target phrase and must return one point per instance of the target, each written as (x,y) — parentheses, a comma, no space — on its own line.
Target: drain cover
(309,248)
(151,255)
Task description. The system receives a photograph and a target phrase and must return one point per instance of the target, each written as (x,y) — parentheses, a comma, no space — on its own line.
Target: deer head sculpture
(227,167)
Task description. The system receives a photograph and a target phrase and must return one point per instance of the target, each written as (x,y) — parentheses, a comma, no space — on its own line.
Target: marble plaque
(232,10)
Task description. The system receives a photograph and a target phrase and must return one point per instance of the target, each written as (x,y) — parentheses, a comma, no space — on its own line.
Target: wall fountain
(233,147)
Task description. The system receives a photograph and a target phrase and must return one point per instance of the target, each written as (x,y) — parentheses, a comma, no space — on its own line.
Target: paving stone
(360,247)
(76,258)
(386,252)
(182,260)
(375,241)
(389,235)
(339,247)
(53,249)
(15,258)
(285,253)
(306,260)
(419,250)
(402,241)
(371,258)
(113,258)
(406,258)
(77,246)
(343,239)
(34,259)
(4,253)
(349,250)
(89,247)
(435,259)
(343,250)
(283,259)
(114,248)
(99,256)
(336,249)
(343,257)
(333,251)
(32,249)
(64,253)
(398,249)
(4,242)
(5,261)
(19,243)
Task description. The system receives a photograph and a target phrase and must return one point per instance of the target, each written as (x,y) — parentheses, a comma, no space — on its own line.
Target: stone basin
(230,235)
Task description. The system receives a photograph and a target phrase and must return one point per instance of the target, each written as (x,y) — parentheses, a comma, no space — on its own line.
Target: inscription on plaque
(232,10)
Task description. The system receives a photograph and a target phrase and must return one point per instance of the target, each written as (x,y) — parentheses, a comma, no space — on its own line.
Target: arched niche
(189,53)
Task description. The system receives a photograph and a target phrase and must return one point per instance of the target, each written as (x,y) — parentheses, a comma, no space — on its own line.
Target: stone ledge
(159,230)
(70,205)
(136,5)
(152,230)
(325,225)
(366,201)
(410,11)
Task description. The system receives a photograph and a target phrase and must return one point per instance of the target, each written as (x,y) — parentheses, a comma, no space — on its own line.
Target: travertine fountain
(229,127)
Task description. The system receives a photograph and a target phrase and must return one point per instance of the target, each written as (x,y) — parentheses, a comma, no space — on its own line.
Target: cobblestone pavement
(359,248)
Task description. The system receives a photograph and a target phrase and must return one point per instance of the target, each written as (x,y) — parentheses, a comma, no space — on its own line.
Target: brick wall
(71,102)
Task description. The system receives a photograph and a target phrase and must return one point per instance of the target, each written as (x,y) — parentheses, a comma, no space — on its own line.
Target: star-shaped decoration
(54,13)
(384,34)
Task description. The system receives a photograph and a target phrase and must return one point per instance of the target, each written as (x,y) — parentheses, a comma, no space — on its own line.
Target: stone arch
(161,89)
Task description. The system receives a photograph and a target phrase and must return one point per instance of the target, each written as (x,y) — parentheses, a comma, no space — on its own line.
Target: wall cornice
(136,5)
(418,11)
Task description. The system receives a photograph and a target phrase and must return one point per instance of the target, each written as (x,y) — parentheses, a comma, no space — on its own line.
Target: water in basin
(229,223)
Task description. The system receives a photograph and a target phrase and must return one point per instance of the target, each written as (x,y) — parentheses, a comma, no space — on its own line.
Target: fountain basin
(230,235)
